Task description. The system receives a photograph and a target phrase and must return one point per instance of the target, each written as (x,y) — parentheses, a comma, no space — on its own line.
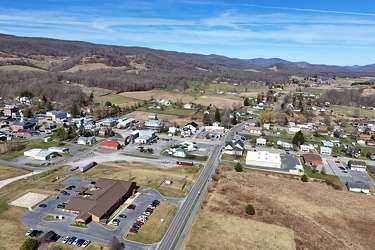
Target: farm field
(319,216)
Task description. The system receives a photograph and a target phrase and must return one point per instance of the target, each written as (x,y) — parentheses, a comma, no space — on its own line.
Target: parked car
(65,240)
(148,210)
(156,201)
(151,206)
(29,232)
(42,205)
(71,240)
(80,242)
(122,216)
(132,230)
(86,243)
(131,206)
(36,233)
(116,222)
(139,222)
(75,242)
(344,171)
(136,226)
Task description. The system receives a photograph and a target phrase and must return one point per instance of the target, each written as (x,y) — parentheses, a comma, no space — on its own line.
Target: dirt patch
(321,217)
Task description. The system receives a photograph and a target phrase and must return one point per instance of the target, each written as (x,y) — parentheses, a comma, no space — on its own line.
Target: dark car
(93,182)
(156,201)
(122,216)
(131,206)
(36,233)
(136,226)
(42,205)
(71,240)
(80,242)
(60,206)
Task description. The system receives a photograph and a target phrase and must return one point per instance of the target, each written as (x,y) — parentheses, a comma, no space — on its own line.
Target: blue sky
(320,31)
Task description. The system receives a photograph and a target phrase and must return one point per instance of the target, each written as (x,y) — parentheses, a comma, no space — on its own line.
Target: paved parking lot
(96,232)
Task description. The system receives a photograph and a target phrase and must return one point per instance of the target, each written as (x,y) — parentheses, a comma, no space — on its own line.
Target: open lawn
(18,68)
(171,119)
(350,111)
(88,66)
(154,229)
(28,145)
(146,176)
(10,172)
(320,216)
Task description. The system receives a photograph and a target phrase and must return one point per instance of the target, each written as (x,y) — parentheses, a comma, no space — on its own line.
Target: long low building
(263,159)
(40,154)
(99,202)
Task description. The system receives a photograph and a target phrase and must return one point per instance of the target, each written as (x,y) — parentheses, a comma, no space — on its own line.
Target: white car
(86,243)
(75,242)
(65,240)
(151,206)
(147,213)
(29,232)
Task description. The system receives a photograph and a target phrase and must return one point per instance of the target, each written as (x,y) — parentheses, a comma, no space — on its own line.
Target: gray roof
(358,184)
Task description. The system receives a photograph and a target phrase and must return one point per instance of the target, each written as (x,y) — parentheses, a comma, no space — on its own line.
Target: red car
(131,206)
(139,222)
(337,161)
(149,210)
(132,230)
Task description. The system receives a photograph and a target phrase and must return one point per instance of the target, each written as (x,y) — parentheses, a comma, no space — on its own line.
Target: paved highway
(179,220)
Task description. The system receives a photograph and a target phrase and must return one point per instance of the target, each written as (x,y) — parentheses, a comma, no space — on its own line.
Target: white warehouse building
(263,159)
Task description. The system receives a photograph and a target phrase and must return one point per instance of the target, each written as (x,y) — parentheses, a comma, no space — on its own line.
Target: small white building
(172,131)
(306,148)
(294,129)
(86,140)
(261,142)
(327,143)
(325,150)
(58,149)
(357,165)
(263,159)
(358,187)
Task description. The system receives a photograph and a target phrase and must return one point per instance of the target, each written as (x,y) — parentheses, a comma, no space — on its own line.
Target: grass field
(146,176)
(220,231)
(10,172)
(154,229)
(320,216)
(349,111)
(88,66)
(18,68)
(28,145)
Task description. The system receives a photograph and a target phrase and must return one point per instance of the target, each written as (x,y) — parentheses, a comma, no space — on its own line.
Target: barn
(112,144)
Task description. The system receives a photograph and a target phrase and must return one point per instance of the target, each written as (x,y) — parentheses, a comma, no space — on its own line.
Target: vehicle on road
(116,222)
(185,163)
(344,171)
(42,205)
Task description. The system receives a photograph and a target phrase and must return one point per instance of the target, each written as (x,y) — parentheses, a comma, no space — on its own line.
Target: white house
(306,148)
(234,148)
(180,152)
(325,150)
(216,129)
(357,165)
(294,129)
(189,129)
(189,105)
(254,130)
(172,131)
(86,140)
(327,143)
(261,142)
(263,159)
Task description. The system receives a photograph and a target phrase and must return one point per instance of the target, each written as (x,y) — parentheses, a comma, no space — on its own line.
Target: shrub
(304,178)
(238,167)
(29,244)
(250,209)
(333,184)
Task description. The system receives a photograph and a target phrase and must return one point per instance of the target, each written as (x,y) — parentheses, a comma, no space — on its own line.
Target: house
(27,132)
(327,143)
(10,110)
(357,165)
(306,148)
(98,203)
(358,187)
(144,136)
(112,145)
(325,151)
(86,140)
(179,152)
(364,137)
(353,152)
(172,131)
(189,129)
(267,126)
(261,142)
(203,135)
(370,142)
(294,129)
(109,122)
(189,105)
(321,132)
(312,159)
(263,159)
(21,124)
(216,129)
(254,130)
(155,125)
(152,116)
(56,115)
(234,148)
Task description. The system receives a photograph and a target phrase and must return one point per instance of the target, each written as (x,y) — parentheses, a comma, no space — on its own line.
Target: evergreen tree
(234,119)
(29,244)
(91,97)
(217,115)
(298,139)
(74,110)
(246,102)
(61,133)
(108,104)
(250,209)
(238,167)
(49,106)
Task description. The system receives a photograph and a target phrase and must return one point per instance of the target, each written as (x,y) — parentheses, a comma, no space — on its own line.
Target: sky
(332,32)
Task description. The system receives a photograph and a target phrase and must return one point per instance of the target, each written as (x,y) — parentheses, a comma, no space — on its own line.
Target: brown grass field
(10,172)
(18,68)
(319,216)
